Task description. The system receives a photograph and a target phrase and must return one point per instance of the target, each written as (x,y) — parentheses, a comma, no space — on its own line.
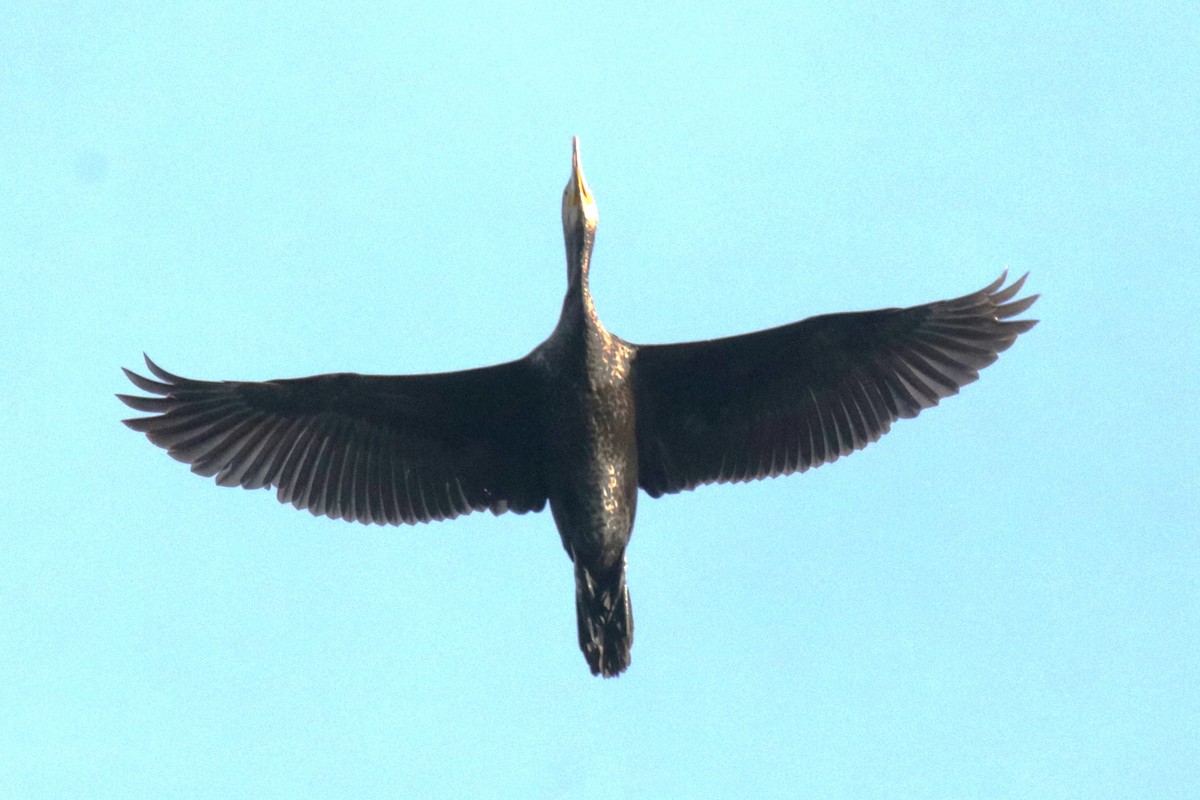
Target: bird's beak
(578,193)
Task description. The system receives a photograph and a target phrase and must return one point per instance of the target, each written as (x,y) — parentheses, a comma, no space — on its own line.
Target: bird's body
(591,468)
(582,422)
(591,449)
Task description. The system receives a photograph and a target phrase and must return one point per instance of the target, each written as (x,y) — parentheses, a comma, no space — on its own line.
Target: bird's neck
(578,312)
(579,325)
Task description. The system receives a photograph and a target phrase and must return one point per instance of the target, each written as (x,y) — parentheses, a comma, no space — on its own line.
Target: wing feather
(372,449)
(791,398)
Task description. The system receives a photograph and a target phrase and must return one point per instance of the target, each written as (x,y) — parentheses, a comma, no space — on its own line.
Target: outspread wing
(382,449)
(801,395)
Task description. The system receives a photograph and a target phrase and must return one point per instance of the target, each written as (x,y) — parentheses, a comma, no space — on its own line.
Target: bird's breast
(591,452)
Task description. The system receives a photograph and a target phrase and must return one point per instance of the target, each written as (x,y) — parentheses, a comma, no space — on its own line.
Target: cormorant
(581,422)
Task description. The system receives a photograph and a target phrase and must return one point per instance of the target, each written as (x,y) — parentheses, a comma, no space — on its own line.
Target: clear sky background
(998,600)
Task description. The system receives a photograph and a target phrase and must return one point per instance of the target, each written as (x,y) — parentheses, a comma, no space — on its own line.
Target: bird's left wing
(382,449)
(798,396)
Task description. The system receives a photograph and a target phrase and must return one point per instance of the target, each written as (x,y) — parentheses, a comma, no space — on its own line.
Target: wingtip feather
(146,384)
(1016,307)
(161,373)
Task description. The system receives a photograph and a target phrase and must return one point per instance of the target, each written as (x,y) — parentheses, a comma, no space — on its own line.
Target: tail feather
(605,619)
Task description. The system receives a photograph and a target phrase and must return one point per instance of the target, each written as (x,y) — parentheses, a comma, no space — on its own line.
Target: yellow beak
(578,193)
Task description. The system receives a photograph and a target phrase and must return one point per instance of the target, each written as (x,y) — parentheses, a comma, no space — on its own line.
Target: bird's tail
(605,619)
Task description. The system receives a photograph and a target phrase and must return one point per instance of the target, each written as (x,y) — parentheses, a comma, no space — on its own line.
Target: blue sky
(999,599)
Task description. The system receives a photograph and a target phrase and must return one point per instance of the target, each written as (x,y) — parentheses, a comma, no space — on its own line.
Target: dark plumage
(581,422)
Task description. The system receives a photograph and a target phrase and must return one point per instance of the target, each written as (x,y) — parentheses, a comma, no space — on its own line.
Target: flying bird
(583,421)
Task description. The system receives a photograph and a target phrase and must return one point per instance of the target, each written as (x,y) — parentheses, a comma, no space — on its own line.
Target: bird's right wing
(790,398)
(382,449)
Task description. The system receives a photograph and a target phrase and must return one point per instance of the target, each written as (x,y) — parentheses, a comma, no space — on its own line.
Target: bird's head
(579,211)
